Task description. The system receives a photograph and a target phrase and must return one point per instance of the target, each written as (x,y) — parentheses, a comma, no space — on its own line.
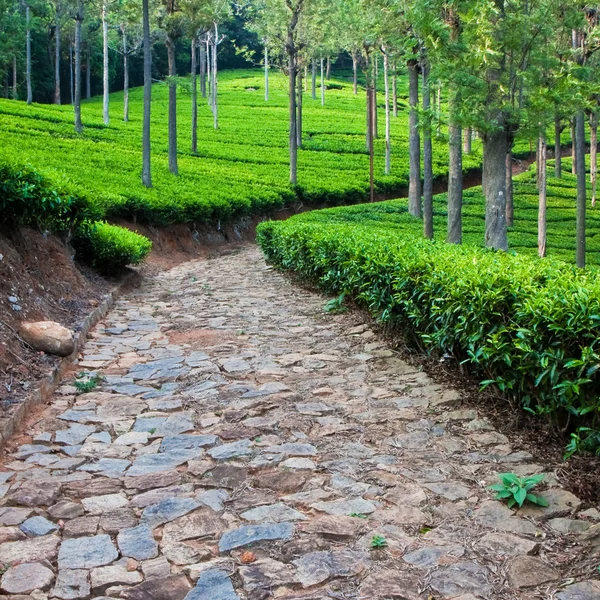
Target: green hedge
(529,326)
(109,248)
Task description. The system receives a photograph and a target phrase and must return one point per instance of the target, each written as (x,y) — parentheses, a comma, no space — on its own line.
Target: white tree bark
(105,114)
(214,80)
(322,83)
(125,76)
(388,146)
(28,55)
(266,72)
(57,57)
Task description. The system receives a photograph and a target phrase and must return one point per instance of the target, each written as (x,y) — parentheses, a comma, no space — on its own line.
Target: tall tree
(146,148)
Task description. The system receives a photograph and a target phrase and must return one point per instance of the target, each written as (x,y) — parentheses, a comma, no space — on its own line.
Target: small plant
(84,384)
(359,515)
(516,490)
(336,305)
(378,541)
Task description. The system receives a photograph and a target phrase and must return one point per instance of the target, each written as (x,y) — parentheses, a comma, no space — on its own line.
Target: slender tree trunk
(266,73)
(173,167)
(146,170)
(557,148)
(88,72)
(494,187)
(573,148)
(374,92)
(77,105)
(125,78)
(57,58)
(194,84)
(215,81)
(593,153)
(300,91)
(354,74)
(306,78)
(427,158)
(313,88)
(455,175)
(208,72)
(202,69)
(388,141)
(395,92)
(414,184)
(370,138)
(293,117)
(71,74)
(581,187)
(467,141)
(328,75)
(542,194)
(438,108)
(510,203)
(6,94)
(15,91)
(105,113)
(322,85)
(28,55)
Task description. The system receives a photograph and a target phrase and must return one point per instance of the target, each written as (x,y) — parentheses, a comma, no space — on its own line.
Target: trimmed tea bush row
(531,327)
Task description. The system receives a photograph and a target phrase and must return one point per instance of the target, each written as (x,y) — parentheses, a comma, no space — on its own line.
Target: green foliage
(517,490)
(109,248)
(336,305)
(377,542)
(529,327)
(86,383)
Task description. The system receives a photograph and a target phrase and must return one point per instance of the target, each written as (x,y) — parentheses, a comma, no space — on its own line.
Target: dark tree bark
(388,140)
(314,79)
(293,119)
(510,203)
(71,73)
(573,146)
(77,100)
(581,187)
(495,148)
(557,149)
(593,154)
(455,176)
(146,170)
(414,184)
(173,167)
(542,194)
(194,85)
(57,57)
(88,72)
(15,89)
(427,158)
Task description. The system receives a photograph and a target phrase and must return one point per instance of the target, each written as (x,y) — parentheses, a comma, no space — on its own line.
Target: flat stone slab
(353,506)
(187,442)
(461,578)
(168,510)
(250,534)
(232,450)
(87,552)
(38,526)
(273,513)
(584,590)
(72,584)
(137,542)
(318,567)
(155,463)
(213,584)
(26,578)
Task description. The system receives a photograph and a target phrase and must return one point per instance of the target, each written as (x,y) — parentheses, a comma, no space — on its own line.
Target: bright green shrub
(110,248)
(531,327)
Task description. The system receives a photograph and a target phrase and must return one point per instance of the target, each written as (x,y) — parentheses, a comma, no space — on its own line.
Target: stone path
(242,444)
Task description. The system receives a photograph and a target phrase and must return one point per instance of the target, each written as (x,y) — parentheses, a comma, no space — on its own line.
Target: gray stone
(132,437)
(107,466)
(96,505)
(449,490)
(505,544)
(78,416)
(103,577)
(266,574)
(406,493)
(148,424)
(157,495)
(13,516)
(429,556)
(528,571)
(301,464)
(495,515)
(232,450)
(584,590)
(213,584)
(74,435)
(569,526)
(26,578)
(292,449)
(250,534)
(560,502)
(176,424)
(87,552)
(213,498)
(173,587)
(273,513)
(72,584)
(155,463)
(202,523)
(461,578)
(137,542)
(345,507)
(29,551)
(317,567)
(187,441)
(28,449)
(37,526)
(168,510)
(157,567)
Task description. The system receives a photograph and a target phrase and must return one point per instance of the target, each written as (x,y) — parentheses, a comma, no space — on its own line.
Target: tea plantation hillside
(240,168)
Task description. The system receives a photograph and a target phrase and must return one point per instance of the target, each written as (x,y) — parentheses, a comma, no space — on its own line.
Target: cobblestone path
(242,444)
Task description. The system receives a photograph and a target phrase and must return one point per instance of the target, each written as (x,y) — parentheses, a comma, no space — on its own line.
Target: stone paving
(243,444)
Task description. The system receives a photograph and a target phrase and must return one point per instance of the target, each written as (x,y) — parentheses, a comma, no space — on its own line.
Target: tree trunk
(328,74)
(510,203)
(455,175)
(414,143)
(77,104)
(88,72)
(146,170)
(194,85)
(374,92)
(71,74)
(322,85)
(105,114)
(494,188)
(300,91)
(370,140)
(427,158)
(593,153)
(293,117)
(388,141)
(266,73)
(557,148)
(467,141)
(202,69)
(15,91)
(354,74)
(214,80)
(581,187)
(314,79)
(125,78)
(28,55)
(438,109)
(172,106)
(395,92)
(573,149)
(57,58)
(542,194)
